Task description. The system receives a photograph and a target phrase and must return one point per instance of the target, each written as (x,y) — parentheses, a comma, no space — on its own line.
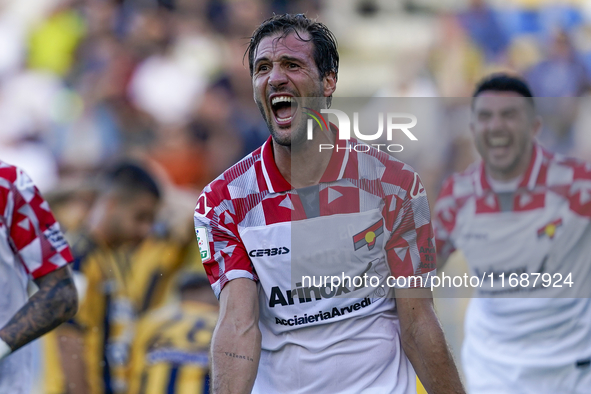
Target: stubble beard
(297,136)
(507,169)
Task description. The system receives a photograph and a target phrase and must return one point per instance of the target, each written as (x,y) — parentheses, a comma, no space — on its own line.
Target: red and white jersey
(542,226)
(31,245)
(369,215)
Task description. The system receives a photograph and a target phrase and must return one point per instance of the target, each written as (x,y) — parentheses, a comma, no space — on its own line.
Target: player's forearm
(55,302)
(236,349)
(424,344)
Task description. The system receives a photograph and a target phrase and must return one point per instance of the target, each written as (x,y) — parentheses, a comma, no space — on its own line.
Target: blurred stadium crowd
(85,84)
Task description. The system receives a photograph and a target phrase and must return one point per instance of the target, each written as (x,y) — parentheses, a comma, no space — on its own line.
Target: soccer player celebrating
(286,205)
(31,246)
(524,213)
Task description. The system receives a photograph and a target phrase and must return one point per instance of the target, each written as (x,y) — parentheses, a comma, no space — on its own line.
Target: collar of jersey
(276,183)
(529,178)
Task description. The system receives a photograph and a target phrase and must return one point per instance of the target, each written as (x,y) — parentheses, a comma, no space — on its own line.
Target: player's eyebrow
(483,111)
(281,59)
(290,59)
(260,60)
(508,110)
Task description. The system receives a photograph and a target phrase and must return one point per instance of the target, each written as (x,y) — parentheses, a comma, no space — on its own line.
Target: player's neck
(303,166)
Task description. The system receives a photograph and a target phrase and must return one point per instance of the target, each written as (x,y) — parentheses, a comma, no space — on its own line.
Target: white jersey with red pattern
(31,245)
(369,215)
(541,227)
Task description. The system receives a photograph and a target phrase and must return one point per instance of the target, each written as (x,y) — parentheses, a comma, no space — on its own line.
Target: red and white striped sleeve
(580,189)
(444,220)
(34,233)
(222,251)
(410,248)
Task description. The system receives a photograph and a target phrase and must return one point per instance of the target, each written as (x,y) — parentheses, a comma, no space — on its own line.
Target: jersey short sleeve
(222,252)
(579,199)
(444,220)
(34,232)
(410,248)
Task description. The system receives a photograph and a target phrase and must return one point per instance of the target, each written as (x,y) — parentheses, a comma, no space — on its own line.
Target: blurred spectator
(27,101)
(562,73)
(556,81)
(457,62)
(71,202)
(480,21)
(94,346)
(170,247)
(165,89)
(53,43)
(12,36)
(170,353)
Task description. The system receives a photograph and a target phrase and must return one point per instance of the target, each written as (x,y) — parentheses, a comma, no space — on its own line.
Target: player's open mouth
(499,141)
(499,145)
(284,108)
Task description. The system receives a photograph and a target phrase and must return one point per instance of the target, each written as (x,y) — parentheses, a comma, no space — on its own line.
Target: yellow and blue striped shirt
(170,353)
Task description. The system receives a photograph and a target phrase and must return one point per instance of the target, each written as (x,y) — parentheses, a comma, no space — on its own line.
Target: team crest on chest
(368,236)
(549,229)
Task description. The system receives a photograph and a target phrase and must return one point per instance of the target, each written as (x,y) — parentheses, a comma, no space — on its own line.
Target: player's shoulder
(562,168)
(242,175)
(11,176)
(8,172)
(460,184)
(373,163)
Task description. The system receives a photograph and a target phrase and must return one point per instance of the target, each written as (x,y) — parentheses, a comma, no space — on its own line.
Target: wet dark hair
(503,82)
(131,178)
(326,56)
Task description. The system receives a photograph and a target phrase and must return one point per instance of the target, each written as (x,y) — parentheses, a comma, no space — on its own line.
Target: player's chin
(504,165)
(281,135)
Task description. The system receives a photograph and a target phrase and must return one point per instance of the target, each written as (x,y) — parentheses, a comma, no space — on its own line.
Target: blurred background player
(170,352)
(32,246)
(95,343)
(521,211)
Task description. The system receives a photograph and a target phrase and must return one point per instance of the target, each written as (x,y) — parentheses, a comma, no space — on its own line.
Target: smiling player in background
(524,211)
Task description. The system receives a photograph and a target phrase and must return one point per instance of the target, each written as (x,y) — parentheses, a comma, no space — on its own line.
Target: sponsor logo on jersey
(203,242)
(427,265)
(549,230)
(323,315)
(427,255)
(317,291)
(268,252)
(55,237)
(368,236)
(304,294)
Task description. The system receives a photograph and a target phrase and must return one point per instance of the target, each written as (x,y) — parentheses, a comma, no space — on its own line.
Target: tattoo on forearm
(54,303)
(234,355)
